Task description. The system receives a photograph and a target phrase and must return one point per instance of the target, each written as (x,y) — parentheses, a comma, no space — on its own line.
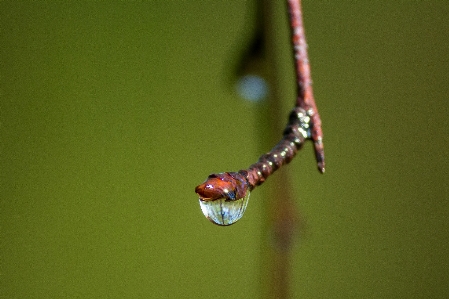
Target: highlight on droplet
(224,211)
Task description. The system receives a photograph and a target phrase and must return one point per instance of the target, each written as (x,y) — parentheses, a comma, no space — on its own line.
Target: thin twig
(304,123)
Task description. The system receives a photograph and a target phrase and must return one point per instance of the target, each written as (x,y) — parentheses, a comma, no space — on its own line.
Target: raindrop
(224,211)
(252,88)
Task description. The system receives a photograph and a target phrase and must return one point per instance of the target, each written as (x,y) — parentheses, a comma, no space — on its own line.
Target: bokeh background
(112,112)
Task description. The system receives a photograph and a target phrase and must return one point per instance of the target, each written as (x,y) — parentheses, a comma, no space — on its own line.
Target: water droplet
(224,211)
(252,88)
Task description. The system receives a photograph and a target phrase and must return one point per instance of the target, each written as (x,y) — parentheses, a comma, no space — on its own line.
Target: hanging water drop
(224,211)
(224,197)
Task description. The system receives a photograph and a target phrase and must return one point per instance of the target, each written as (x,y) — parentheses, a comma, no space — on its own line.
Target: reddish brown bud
(228,185)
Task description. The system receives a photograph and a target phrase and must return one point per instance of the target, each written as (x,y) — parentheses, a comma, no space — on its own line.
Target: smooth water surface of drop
(224,212)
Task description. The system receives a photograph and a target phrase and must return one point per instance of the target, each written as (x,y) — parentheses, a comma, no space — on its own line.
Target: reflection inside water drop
(224,212)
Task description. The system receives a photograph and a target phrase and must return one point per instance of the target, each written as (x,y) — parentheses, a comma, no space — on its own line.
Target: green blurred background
(111,113)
